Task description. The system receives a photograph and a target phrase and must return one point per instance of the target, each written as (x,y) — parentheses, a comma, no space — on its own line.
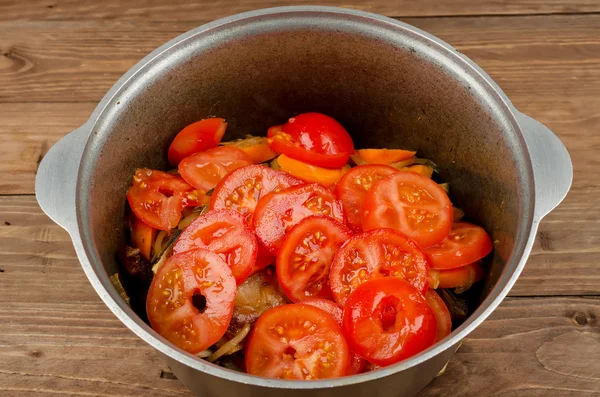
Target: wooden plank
(528,347)
(535,59)
(191,10)
(27,131)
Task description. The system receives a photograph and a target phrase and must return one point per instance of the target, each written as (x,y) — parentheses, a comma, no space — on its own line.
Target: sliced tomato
(412,204)
(204,170)
(461,277)
(375,254)
(441,312)
(263,259)
(353,187)
(157,198)
(466,243)
(357,363)
(277,212)
(328,306)
(142,236)
(190,300)
(225,233)
(197,137)
(297,341)
(305,257)
(311,173)
(384,156)
(312,138)
(387,320)
(241,190)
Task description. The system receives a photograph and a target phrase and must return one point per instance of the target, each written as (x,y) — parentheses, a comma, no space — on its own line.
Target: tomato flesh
(411,203)
(225,233)
(305,257)
(157,198)
(387,320)
(312,138)
(297,341)
(441,312)
(465,244)
(196,137)
(277,212)
(461,277)
(353,187)
(190,300)
(241,189)
(204,170)
(376,254)
(357,363)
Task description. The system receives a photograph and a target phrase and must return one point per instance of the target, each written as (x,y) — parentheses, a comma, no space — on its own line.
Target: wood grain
(192,10)
(533,58)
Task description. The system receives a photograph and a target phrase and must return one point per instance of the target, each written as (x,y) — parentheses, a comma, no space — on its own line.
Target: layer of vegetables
(295,256)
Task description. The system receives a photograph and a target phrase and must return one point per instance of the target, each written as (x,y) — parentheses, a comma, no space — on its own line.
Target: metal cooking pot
(388,83)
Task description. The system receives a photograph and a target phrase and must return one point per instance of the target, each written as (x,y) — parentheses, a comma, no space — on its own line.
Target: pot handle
(57,177)
(552,168)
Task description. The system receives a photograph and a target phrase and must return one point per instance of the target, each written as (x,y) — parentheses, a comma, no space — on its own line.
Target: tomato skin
(263,259)
(142,236)
(466,243)
(376,254)
(357,363)
(411,203)
(204,170)
(442,314)
(157,198)
(170,306)
(387,320)
(277,212)
(243,188)
(353,187)
(305,257)
(225,233)
(297,341)
(312,138)
(196,137)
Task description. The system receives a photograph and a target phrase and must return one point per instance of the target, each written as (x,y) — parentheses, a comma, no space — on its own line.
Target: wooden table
(58,58)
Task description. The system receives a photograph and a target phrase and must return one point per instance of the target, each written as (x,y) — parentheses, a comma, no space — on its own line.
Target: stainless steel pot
(390,84)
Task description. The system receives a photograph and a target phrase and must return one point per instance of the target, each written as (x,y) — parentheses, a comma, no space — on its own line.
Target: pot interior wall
(388,87)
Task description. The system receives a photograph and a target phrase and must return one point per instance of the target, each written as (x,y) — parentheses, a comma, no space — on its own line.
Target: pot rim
(90,262)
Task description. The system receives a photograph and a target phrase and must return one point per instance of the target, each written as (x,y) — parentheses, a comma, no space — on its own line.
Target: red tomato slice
(277,213)
(197,137)
(441,312)
(353,187)
(411,203)
(241,190)
(225,233)
(263,259)
(375,254)
(387,320)
(312,138)
(190,300)
(305,257)
(328,306)
(205,169)
(142,236)
(158,198)
(357,363)
(297,341)
(466,243)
